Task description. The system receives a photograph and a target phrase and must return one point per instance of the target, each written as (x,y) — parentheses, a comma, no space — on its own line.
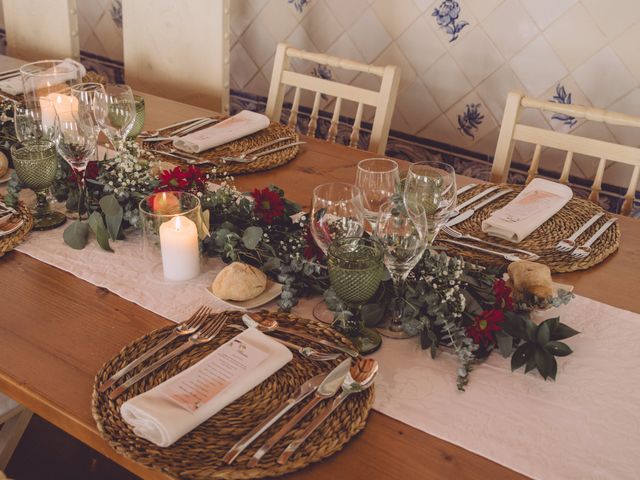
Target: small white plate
(6,177)
(272,290)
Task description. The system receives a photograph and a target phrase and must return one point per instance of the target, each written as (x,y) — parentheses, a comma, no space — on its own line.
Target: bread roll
(239,282)
(530,278)
(4,164)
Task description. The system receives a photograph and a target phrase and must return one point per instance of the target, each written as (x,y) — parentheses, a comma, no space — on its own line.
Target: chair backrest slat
(293,115)
(382,100)
(512,131)
(335,118)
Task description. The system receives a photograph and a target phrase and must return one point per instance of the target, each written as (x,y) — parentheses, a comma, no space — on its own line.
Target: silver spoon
(360,377)
(326,389)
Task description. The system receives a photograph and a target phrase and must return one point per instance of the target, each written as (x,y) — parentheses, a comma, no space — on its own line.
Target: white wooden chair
(14,419)
(41,29)
(511,131)
(178,50)
(383,100)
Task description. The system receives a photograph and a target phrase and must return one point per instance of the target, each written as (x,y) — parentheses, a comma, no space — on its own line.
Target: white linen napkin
(14,86)
(240,125)
(537,203)
(157,418)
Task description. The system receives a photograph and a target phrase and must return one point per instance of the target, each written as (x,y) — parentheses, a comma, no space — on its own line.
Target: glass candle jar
(51,79)
(171,232)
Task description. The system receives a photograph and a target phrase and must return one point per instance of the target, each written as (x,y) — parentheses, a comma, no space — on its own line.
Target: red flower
(268,204)
(185,179)
(311,249)
(485,325)
(90,173)
(502,292)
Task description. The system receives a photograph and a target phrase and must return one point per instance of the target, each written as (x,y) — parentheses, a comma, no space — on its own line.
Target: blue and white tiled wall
(459,58)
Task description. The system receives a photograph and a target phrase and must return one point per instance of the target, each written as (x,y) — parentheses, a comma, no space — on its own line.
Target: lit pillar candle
(65,105)
(179,248)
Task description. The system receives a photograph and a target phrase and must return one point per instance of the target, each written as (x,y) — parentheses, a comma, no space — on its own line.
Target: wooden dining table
(56,331)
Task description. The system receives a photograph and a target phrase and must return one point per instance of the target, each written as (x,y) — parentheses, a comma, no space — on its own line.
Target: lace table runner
(584,425)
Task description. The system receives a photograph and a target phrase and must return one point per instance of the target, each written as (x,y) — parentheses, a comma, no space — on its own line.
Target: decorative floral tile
(565,91)
(471,119)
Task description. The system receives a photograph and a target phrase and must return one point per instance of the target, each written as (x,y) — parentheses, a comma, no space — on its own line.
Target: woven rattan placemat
(198,454)
(9,242)
(543,240)
(237,147)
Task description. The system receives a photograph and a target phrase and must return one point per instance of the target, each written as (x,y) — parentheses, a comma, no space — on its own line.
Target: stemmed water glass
(336,212)
(355,273)
(433,186)
(378,180)
(35,158)
(86,93)
(115,112)
(76,142)
(402,231)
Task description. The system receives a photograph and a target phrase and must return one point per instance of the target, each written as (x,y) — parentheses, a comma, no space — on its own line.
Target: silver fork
(585,249)
(204,335)
(189,326)
(465,236)
(253,158)
(568,244)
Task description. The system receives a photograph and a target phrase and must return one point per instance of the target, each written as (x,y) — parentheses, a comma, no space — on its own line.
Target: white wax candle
(179,247)
(65,105)
(47,112)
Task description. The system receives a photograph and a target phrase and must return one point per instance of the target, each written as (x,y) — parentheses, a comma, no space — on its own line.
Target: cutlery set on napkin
(166,412)
(534,205)
(201,136)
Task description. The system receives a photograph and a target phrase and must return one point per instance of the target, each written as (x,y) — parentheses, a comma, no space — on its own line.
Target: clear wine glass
(433,186)
(336,212)
(115,112)
(86,94)
(378,180)
(35,120)
(402,231)
(76,142)
(355,272)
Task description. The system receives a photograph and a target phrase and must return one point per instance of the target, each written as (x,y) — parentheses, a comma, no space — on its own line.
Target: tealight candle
(179,249)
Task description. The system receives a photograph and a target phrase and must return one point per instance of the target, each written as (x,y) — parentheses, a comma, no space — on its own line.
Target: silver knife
(250,322)
(304,390)
(469,213)
(467,187)
(477,197)
(327,389)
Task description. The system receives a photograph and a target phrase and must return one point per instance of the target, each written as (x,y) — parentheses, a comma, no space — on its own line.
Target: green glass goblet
(36,163)
(139,121)
(355,272)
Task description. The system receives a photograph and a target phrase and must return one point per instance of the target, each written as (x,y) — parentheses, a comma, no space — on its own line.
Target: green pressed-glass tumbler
(36,164)
(355,272)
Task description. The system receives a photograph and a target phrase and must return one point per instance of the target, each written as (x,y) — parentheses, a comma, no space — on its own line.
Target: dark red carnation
(183,179)
(503,295)
(311,249)
(484,326)
(268,204)
(90,173)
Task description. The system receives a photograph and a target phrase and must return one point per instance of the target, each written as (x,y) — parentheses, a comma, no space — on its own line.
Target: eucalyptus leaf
(531,328)
(102,235)
(113,215)
(531,364)
(559,349)
(75,235)
(110,206)
(251,237)
(505,343)
(545,363)
(371,314)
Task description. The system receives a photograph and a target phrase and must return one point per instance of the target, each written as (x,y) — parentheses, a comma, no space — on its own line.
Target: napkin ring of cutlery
(239,282)
(530,279)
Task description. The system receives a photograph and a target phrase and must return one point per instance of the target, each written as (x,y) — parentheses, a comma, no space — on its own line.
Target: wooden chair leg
(10,434)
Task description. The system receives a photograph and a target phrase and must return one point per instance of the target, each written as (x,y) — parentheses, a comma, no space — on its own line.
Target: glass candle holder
(51,79)
(36,164)
(171,231)
(139,121)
